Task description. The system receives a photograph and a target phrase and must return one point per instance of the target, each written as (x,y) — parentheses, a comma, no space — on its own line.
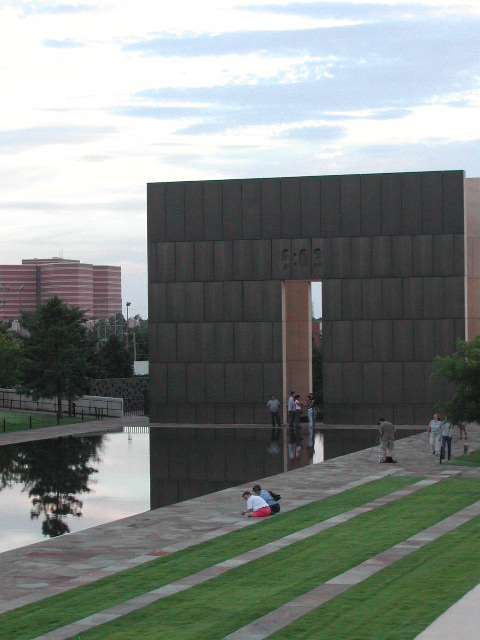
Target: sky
(100,97)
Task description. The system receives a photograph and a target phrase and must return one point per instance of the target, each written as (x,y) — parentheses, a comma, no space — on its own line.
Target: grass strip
(470,460)
(206,612)
(401,601)
(21,421)
(57,611)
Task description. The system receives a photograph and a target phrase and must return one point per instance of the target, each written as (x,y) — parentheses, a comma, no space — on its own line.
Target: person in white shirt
(274,405)
(256,506)
(434,431)
(291,409)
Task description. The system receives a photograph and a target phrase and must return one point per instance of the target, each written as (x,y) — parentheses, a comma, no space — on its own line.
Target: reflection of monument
(189,462)
(54,473)
(230,267)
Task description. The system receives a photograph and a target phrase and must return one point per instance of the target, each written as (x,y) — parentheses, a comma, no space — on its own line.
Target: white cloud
(100,98)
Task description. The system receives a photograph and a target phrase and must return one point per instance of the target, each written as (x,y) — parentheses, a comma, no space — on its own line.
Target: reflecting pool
(53,487)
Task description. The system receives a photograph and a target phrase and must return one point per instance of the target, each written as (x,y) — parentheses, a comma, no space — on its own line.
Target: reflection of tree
(54,472)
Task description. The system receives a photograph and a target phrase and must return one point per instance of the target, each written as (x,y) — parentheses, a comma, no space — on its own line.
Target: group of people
(440,432)
(294,409)
(260,503)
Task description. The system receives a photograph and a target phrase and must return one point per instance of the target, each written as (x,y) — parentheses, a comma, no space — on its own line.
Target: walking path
(38,571)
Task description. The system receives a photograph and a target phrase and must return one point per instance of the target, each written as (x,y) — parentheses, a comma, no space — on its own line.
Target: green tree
(463,370)
(10,358)
(56,353)
(139,338)
(114,359)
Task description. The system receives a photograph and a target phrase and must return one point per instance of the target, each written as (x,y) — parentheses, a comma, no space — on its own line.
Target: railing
(133,407)
(87,406)
(136,429)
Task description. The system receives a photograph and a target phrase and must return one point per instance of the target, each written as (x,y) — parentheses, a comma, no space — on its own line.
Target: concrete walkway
(53,566)
(461,621)
(105,425)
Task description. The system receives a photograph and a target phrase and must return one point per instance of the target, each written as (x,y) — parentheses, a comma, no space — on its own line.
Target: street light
(128,304)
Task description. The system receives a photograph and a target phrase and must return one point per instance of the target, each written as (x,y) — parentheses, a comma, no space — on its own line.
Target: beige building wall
(297,338)
(472,234)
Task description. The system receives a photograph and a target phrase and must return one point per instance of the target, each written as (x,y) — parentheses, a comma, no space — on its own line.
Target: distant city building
(95,288)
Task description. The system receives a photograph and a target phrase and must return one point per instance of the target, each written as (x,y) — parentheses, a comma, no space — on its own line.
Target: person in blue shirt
(267,496)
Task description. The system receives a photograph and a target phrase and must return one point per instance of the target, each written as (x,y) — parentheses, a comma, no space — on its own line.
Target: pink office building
(95,288)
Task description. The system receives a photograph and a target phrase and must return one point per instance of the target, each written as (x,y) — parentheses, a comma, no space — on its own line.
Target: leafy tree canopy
(10,356)
(114,360)
(57,353)
(463,370)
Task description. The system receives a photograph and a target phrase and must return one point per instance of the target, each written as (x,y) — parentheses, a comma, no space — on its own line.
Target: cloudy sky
(100,97)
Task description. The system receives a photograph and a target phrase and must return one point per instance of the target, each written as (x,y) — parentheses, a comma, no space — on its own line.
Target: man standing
(387,438)
(273,404)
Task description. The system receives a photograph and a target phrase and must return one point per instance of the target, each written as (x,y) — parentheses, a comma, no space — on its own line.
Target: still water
(53,487)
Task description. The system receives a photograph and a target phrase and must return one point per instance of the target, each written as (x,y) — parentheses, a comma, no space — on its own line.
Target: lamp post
(126,341)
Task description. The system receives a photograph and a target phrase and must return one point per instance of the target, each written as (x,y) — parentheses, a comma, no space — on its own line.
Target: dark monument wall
(389,249)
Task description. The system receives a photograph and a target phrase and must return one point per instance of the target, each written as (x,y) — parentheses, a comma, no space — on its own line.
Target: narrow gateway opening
(302,363)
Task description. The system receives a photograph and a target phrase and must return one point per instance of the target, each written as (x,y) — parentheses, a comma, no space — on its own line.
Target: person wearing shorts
(256,506)
(387,438)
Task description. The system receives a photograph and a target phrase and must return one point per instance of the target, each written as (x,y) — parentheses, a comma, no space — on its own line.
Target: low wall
(90,405)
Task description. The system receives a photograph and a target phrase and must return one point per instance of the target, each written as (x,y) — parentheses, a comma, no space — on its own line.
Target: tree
(10,356)
(139,337)
(55,473)
(463,370)
(56,353)
(114,359)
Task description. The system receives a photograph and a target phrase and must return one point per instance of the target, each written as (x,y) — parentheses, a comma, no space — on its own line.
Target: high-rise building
(95,288)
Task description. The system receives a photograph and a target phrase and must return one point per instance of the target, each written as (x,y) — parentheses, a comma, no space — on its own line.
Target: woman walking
(434,431)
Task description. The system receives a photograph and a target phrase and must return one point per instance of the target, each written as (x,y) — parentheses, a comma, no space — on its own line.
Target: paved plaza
(35,572)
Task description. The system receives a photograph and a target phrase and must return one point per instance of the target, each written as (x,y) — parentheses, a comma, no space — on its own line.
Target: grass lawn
(470,460)
(207,612)
(18,421)
(46,615)
(401,601)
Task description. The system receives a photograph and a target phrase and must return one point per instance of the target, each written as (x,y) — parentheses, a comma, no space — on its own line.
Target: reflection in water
(53,472)
(187,462)
(70,486)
